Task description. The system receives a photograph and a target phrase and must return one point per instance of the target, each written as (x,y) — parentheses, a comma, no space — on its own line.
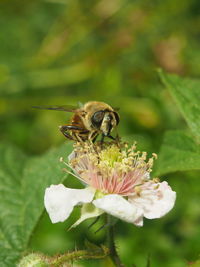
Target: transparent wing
(66,108)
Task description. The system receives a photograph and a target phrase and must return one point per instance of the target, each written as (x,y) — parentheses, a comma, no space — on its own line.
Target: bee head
(105,121)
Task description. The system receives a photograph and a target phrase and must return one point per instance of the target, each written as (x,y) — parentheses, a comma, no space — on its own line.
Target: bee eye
(116,117)
(97,118)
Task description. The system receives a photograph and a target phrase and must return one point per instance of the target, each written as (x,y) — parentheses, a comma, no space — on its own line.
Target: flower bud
(33,260)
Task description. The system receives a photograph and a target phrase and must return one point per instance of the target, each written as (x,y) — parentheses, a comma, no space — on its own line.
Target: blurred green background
(65,51)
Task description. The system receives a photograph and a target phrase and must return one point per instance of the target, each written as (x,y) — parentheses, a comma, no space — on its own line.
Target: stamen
(66,170)
(111,167)
(72,173)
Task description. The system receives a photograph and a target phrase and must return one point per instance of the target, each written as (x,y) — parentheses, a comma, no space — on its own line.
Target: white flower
(60,200)
(118,183)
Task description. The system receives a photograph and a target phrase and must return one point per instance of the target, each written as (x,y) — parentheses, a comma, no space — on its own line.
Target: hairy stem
(79,255)
(111,243)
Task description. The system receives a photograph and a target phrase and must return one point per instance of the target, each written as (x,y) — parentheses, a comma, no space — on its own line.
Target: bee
(88,121)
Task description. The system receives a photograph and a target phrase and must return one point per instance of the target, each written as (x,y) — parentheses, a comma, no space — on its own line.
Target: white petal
(87,211)
(119,207)
(59,200)
(155,199)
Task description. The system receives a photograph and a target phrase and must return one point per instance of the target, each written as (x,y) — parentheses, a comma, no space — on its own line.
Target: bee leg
(65,128)
(78,138)
(95,137)
(117,139)
(102,139)
(111,137)
(92,136)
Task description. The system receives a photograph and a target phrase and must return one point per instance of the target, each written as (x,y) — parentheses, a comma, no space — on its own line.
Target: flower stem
(111,243)
(79,255)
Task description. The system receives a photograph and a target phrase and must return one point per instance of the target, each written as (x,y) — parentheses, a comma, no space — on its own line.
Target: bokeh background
(69,51)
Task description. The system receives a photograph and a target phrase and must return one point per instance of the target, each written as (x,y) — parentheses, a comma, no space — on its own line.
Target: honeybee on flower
(117,180)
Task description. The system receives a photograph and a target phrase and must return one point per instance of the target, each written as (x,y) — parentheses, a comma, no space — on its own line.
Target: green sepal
(87,211)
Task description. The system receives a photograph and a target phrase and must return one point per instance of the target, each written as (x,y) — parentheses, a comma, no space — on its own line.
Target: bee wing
(80,104)
(66,108)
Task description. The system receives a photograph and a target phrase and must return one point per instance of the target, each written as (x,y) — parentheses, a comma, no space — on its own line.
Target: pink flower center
(111,171)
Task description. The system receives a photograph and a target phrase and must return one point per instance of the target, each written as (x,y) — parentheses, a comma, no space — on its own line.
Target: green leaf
(22,185)
(186,93)
(179,152)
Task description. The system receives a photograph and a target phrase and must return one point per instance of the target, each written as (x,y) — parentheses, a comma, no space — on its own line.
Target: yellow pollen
(110,155)
(138,190)
(109,159)
(157,186)
(155,156)
(156,180)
